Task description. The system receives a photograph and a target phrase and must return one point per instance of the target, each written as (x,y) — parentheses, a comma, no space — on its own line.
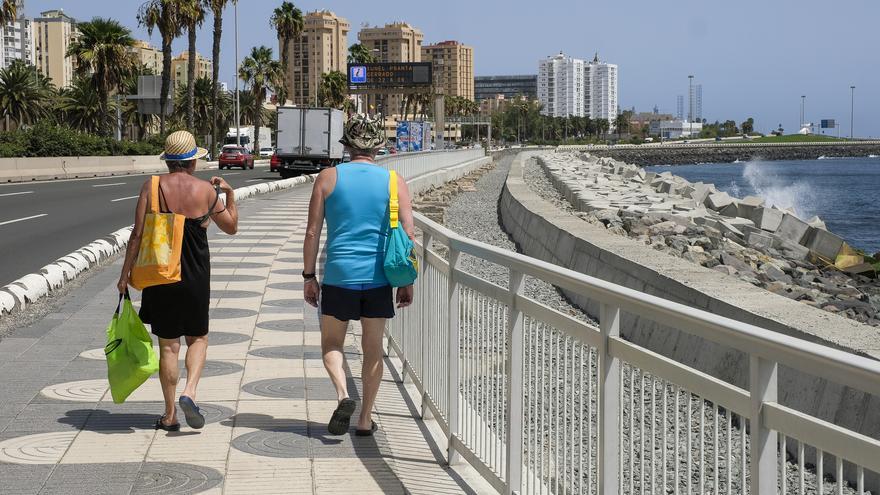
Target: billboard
(828,124)
(390,75)
(413,136)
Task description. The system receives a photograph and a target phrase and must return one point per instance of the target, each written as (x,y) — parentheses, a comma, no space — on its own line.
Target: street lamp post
(852,96)
(803,102)
(237,109)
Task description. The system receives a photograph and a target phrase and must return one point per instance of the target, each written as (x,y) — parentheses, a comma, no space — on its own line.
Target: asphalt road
(43,221)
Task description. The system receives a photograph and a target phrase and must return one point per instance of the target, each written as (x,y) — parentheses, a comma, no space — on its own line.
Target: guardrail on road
(540,402)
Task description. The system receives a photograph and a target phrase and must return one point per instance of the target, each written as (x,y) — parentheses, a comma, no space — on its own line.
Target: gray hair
(179,165)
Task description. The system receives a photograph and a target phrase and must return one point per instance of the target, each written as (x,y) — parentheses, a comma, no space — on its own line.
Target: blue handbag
(401,266)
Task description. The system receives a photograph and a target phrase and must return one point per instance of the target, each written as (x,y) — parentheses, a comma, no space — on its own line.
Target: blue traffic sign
(357,74)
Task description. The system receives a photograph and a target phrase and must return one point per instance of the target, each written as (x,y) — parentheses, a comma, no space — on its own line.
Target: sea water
(844,192)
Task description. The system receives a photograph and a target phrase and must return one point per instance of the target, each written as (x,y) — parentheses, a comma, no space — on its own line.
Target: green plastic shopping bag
(129,351)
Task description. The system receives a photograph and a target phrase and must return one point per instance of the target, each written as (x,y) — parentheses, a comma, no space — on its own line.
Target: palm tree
(202,106)
(288,22)
(217,7)
(8,11)
(25,96)
(261,73)
(102,53)
(192,14)
(162,15)
(246,105)
(359,54)
(81,107)
(334,89)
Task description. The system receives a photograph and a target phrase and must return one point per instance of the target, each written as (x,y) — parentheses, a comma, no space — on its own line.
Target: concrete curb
(75,167)
(32,287)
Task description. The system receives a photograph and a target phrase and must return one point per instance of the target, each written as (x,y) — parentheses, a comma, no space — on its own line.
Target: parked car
(235,156)
(266,151)
(274,162)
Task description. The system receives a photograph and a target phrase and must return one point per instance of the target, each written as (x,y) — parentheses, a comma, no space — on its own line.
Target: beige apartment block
(453,67)
(180,68)
(396,42)
(148,56)
(53,32)
(322,48)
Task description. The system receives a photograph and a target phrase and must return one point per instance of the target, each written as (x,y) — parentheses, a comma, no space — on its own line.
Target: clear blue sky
(753,57)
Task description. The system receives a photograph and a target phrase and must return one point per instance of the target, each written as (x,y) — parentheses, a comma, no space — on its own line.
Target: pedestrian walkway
(264,391)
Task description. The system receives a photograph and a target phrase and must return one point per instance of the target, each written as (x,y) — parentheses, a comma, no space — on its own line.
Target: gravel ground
(556,408)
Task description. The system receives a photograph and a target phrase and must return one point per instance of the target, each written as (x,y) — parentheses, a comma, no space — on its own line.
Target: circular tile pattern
(241,265)
(213,368)
(97,354)
(235,294)
(281,325)
(212,412)
(42,448)
(286,285)
(288,260)
(236,278)
(285,388)
(284,303)
(289,352)
(226,338)
(229,313)
(240,254)
(160,478)
(287,444)
(287,271)
(78,391)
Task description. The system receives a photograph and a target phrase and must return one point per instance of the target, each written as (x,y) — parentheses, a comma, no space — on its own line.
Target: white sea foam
(779,191)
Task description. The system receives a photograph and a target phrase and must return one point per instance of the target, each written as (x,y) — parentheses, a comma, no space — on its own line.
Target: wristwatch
(308,276)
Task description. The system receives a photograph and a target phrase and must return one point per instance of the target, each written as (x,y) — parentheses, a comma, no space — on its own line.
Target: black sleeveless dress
(181,309)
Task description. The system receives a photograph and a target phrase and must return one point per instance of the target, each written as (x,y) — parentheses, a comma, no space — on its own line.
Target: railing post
(514,370)
(763,461)
(424,301)
(608,468)
(454,349)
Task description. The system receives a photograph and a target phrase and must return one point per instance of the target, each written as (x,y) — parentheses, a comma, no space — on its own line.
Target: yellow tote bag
(158,260)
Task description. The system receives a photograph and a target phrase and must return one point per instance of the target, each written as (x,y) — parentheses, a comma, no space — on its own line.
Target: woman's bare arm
(226,218)
(134,241)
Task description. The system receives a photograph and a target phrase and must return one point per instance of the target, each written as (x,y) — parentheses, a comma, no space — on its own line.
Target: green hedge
(47,139)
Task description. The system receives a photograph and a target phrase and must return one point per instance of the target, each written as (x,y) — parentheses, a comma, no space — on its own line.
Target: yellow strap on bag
(158,260)
(393,203)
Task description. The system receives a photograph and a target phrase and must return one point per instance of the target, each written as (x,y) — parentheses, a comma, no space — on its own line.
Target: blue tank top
(356,213)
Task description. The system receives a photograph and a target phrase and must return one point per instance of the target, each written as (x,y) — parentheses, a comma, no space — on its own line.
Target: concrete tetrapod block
(760,241)
(792,228)
(767,218)
(748,205)
(817,223)
(823,243)
(791,249)
(717,201)
(730,210)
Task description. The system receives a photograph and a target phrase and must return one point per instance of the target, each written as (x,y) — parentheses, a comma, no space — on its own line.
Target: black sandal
(341,418)
(367,433)
(160,425)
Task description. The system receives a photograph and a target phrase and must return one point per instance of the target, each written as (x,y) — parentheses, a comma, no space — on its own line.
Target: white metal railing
(540,402)
(411,165)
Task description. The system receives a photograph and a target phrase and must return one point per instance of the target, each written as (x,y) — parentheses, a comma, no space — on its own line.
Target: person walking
(353,198)
(180,309)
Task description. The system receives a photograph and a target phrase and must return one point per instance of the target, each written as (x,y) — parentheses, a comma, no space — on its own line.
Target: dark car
(235,156)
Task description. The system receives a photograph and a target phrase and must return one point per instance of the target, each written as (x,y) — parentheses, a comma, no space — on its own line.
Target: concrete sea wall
(543,231)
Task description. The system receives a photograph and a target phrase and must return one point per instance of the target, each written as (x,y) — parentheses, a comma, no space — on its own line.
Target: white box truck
(247,137)
(308,140)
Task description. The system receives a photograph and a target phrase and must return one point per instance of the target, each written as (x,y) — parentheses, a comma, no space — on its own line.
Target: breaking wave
(778,191)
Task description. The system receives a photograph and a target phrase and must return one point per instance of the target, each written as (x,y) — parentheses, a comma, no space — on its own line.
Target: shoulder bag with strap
(158,260)
(401,266)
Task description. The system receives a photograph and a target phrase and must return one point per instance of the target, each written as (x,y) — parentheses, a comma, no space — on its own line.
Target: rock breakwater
(678,154)
(745,238)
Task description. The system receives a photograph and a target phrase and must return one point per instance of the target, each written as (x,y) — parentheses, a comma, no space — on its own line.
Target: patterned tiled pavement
(264,391)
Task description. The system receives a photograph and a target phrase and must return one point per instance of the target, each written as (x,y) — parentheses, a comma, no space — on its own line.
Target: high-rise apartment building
(180,68)
(561,86)
(322,48)
(53,32)
(600,96)
(679,107)
(453,67)
(396,42)
(148,56)
(18,39)
(698,103)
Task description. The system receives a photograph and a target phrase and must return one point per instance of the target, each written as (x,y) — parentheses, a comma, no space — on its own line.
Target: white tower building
(600,81)
(17,39)
(561,87)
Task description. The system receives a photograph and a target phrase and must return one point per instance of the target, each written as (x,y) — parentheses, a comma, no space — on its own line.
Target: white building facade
(675,129)
(561,88)
(600,81)
(18,42)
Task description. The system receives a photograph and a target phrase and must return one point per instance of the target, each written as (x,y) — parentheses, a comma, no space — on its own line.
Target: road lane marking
(123,199)
(254,180)
(108,185)
(23,219)
(16,193)
(231,173)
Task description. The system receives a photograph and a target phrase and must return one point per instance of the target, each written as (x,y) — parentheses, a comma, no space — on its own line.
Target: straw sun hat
(181,145)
